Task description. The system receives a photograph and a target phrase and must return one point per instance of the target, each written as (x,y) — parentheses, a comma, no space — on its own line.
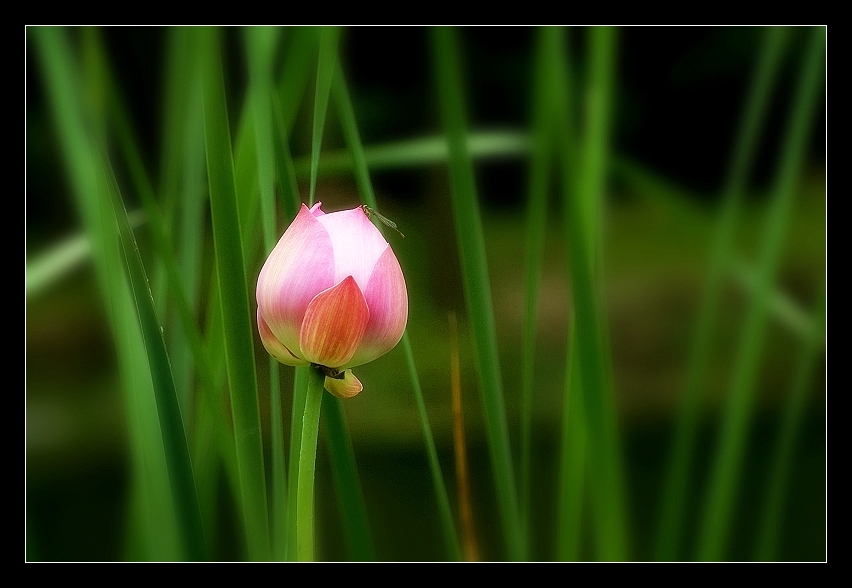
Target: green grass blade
(294,77)
(236,315)
(260,50)
(290,199)
(300,47)
(536,224)
(718,510)
(471,245)
(52,265)
(153,533)
(326,65)
(448,529)
(680,465)
(779,478)
(420,152)
(365,188)
(190,198)
(572,463)
(358,159)
(675,201)
(216,431)
(582,204)
(168,401)
(573,447)
(344,470)
(168,407)
(163,245)
(214,438)
(213,443)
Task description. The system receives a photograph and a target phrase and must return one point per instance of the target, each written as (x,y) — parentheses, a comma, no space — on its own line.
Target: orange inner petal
(334,324)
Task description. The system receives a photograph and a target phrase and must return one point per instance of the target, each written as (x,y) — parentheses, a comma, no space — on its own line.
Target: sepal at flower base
(346,385)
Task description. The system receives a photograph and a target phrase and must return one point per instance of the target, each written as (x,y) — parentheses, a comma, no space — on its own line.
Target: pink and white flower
(331,294)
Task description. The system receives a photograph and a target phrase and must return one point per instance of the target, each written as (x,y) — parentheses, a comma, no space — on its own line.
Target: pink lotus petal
(388,303)
(356,242)
(274,347)
(347,387)
(334,324)
(301,265)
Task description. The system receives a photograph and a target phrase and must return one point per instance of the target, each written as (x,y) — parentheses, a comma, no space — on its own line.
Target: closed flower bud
(332,295)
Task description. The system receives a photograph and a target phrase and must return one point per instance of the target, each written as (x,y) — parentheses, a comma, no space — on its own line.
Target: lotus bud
(331,295)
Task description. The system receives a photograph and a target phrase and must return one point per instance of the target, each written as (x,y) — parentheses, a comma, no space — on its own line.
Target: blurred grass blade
(184,196)
(184,176)
(183,182)
(325,72)
(152,534)
(471,245)
(300,49)
(365,188)
(611,518)
(356,154)
(679,203)
(129,147)
(777,487)
(168,407)
(353,510)
(448,528)
(471,548)
(536,223)
(420,152)
(676,489)
(290,199)
(350,497)
(583,197)
(53,264)
(173,422)
(572,463)
(571,479)
(724,480)
(236,316)
(260,51)
(294,77)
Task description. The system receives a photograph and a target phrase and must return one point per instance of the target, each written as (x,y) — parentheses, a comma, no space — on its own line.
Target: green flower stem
(307,465)
(300,389)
